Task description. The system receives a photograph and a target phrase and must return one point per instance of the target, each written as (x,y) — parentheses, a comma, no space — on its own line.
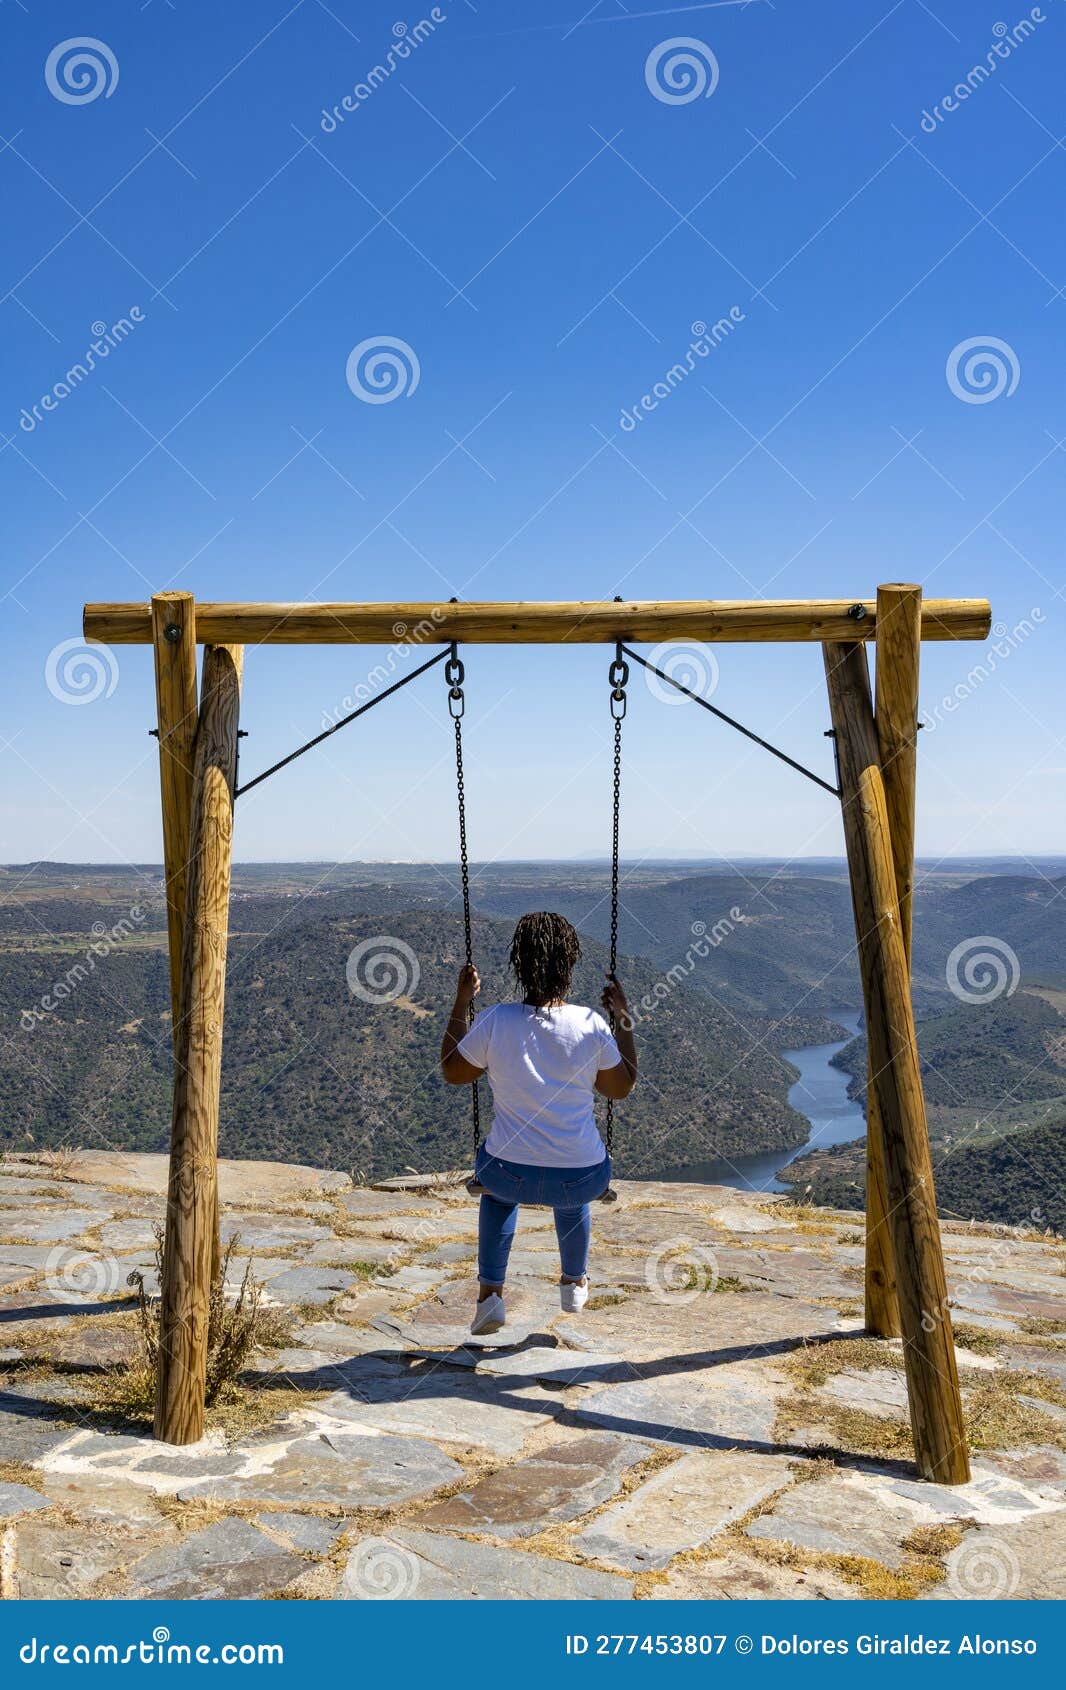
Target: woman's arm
(618,1082)
(455,1068)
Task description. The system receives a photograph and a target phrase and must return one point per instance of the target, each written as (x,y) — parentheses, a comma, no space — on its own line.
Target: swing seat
(476,1189)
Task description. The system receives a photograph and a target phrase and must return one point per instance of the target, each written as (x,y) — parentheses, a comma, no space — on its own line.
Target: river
(820,1093)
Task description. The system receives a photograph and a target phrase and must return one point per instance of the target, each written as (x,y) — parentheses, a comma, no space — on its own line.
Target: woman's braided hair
(544,953)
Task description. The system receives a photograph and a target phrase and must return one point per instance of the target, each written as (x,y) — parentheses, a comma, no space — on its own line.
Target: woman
(545,1058)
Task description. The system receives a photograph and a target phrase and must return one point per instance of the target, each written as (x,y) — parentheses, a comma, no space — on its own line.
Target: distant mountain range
(312,1073)
(734,968)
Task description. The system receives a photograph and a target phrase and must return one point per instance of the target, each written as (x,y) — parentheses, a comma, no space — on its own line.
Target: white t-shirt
(542,1066)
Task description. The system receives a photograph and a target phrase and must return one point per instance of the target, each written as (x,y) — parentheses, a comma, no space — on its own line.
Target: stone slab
(1033,1358)
(376,1205)
(423,1183)
(427,1567)
(554,1368)
(832,1517)
(239,1182)
(707,1329)
(347,1468)
(225,1561)
(681,1507)
(1041,1468)
(29,1432)
(20,1499)
(724,1407)
(43,1226)
(741,1578)
(95,1496)
(876,1390)
(91,1349)
(410,1281)
(442,1321)
(60,1562)
(737,1217)
(338,1336)
(134,1235)
(308,1534)
(1022,1562)
(259,1231)
(447,1404)
(364,1305)
(343,1252)
(313,1285)
(562,1482)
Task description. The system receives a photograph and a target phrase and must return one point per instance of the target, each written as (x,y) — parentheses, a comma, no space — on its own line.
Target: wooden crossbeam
(829,621)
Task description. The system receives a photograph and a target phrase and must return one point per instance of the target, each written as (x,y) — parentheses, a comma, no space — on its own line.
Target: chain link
(454,675)
(618,675)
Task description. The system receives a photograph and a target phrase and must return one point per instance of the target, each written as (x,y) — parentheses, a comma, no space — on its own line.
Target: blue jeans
(568,1191)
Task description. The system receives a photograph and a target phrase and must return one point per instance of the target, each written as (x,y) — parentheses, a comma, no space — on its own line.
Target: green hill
(1015,1181)
(992,1056)
(313,1074)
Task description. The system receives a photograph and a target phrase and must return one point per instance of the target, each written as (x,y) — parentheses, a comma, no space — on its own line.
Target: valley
(727,972)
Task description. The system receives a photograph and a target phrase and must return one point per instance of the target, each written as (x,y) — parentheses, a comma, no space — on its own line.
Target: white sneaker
(489,1315)
(572,1298)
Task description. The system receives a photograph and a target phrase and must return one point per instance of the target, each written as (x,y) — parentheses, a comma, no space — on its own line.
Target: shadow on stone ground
(690,1434)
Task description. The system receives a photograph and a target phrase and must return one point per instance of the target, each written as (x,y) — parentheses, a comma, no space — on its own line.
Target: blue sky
(517,203)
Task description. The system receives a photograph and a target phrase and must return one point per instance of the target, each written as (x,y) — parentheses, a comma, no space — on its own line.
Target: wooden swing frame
(905,1285)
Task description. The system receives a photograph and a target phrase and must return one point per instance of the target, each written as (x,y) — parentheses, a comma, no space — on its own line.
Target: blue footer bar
(533,1645)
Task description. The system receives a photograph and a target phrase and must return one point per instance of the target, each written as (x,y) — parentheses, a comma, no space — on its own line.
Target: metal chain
(618,675)
(454,674)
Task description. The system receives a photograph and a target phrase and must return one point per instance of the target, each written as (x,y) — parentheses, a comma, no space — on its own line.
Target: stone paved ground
(714,1424)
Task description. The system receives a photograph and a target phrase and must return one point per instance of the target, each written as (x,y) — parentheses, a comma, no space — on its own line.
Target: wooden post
(193,1186)
(899,645)
(928,1346)
(174,638)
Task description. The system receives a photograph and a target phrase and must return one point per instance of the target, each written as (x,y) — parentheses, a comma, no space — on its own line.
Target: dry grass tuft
(846,1428)
(813,1364)
(977,1339)
(234,1331)
(937,1541)
(60,1161)
(20,1473)
(997,1418)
